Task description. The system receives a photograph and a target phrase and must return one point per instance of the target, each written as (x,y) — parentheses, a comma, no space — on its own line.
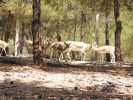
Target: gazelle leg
(51,55)
(84,56)
(113,58)
(61,56)
(68,54)
(44,53)
(102,57)
(18,50)
(5,51)
(1,51)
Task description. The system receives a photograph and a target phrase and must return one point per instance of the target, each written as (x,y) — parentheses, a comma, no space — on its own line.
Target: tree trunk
(74,32)
(107,58)
(58,36)
(8,30)
(118,55)
(17,37)
(22,35)
(82,28)
(2,33)
(75,25)
(96,34)
(37,50)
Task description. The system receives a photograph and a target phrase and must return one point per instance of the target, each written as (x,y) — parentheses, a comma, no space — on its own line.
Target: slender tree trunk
(1,32)
(97,34)
(22,35)
(58,39)
(82,28)
(58,36)
(74,33)
(37,50)
(8,30)
(81,32)
(75,26)
(58,31)
(107,39)
(69,35)
(9,27)
(107,58)
(118,55)
(17,37)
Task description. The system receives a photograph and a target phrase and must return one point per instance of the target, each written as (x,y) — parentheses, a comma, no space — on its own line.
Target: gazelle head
(11,42)
(94,44)
(48,42)
(67,44)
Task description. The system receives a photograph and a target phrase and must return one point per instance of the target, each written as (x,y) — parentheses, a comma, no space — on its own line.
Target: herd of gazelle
(67,46)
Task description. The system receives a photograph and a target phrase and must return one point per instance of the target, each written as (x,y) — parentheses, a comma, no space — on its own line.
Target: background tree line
(69,20)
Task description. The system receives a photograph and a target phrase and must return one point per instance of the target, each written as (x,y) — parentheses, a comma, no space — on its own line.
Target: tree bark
(17,37)
(74,32)
(118,55)
(9,27)
(58,36)
(37,50)
(8,30)
(22,35)
(82,28)
(75,25)
(97,34)
(107,58)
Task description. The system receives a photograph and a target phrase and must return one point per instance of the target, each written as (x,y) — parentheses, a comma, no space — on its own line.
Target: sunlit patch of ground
(68,79)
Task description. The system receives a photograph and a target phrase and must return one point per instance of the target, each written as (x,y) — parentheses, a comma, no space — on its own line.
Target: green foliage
(61,16)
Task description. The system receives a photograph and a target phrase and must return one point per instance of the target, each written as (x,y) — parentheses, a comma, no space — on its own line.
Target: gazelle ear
(67,44)
(11,41)
(46,38)
(49,42)
(94,43)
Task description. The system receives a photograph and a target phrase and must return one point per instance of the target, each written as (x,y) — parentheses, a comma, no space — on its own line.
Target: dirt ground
(21,80)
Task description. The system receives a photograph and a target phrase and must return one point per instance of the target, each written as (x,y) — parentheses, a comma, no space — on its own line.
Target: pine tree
(117,32)
(37,51)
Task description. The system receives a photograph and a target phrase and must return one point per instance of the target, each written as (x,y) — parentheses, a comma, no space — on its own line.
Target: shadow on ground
(16,90)
(122,69)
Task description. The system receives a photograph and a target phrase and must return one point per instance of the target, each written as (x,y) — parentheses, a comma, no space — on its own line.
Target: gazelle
(24,43)
(59,46)
(78,46)
(45,44)
(105,49)
(28,43)
(4,45)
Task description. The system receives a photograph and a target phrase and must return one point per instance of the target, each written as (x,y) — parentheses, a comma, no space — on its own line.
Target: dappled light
(20,90)
(66,50)
(31,79)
